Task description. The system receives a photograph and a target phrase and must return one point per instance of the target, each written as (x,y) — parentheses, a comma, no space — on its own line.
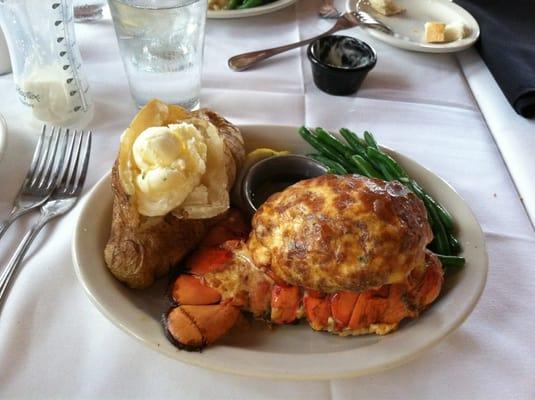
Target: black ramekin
(344,79)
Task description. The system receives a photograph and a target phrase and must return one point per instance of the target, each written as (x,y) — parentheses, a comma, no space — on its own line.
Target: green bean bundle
(363,156)
(241,4)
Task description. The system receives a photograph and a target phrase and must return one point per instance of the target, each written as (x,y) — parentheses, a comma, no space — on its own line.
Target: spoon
(347,20)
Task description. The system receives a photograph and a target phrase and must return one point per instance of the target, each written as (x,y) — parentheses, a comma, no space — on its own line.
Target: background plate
(251,12)
(294,351)
(3,135)
(409,26)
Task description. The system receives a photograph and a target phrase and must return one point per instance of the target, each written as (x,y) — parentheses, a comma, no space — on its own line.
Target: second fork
(42,175)
(68,188)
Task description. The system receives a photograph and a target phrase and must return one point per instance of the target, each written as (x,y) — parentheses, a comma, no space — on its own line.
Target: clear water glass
(161,44)
(88,10)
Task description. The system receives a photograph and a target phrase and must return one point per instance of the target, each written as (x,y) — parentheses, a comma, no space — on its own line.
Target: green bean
(454,244)
(443,246)
(250,4)
(333,166)
(390,163)
(368,169)
(379,166)
(356,143)
(233,4)
(314,142)
(451,261)
(439,231)
(387,176)
(325,150)
(417,189)
(329,140)
(345,151)
(444,215)
(368,137)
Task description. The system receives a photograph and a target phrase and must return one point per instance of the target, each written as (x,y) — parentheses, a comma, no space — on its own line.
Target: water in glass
(161,45)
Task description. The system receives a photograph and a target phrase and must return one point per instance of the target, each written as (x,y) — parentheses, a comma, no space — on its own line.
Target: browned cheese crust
(141,249)
(335,233)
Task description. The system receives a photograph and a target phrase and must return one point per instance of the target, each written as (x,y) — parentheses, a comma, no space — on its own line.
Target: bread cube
(435,32)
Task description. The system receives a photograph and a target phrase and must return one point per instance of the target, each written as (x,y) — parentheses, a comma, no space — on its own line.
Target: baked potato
(154,224)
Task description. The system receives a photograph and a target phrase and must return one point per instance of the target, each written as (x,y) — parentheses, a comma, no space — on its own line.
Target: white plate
(3,135)
(294,351)
(251,12)
(409,26)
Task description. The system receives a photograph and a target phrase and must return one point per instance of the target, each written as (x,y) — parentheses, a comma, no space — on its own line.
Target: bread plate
(409,26)
(295,351)
(250,12)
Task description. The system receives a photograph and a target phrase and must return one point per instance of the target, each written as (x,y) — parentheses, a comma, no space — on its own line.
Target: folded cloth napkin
(507,45)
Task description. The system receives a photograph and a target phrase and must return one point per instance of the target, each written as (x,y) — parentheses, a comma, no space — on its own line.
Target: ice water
(161,43)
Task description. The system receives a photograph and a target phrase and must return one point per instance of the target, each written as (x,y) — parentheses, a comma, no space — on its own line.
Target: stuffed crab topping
(179,168)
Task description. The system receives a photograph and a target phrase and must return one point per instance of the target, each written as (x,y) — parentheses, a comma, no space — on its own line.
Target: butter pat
(180,169)
(386,7)
(171,162)
(435,32)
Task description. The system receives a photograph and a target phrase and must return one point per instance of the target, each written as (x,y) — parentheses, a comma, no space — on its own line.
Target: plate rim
(3,135)
(441,48)
(284,375)
(250,12)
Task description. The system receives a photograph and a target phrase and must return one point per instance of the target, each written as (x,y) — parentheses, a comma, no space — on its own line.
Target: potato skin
(335,233)
(141,249)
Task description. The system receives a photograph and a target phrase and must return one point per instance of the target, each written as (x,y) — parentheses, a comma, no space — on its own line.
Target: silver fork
(328,10)
(68,189)
(347,20)
(363,15)
(41,177)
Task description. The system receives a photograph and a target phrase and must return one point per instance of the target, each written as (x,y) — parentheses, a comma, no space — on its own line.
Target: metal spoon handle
(243,61)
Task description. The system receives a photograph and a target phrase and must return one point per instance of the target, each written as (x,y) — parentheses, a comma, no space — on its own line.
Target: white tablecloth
(55,344)
(514,135)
